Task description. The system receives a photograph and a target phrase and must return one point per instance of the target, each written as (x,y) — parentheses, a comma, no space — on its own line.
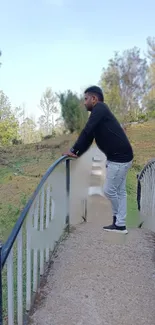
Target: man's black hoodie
(108,134)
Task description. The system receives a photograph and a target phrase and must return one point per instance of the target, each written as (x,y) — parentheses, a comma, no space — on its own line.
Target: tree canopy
(124,83)
(48,104)
(72,111)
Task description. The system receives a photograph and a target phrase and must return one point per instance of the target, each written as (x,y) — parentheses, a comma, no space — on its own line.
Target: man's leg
(110,188)
(122,206)
(115,191)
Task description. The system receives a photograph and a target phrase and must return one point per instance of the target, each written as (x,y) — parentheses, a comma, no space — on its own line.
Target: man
(112,140)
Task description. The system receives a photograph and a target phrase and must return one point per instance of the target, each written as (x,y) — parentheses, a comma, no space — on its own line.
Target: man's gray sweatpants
(115,189)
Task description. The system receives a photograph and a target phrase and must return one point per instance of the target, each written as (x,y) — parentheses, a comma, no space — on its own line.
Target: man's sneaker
(114,228)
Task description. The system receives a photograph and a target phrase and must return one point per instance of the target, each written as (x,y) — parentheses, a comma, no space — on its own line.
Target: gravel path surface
(100,278)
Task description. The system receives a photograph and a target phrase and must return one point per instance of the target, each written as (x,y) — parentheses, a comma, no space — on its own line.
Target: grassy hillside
(21,168)
(142,139)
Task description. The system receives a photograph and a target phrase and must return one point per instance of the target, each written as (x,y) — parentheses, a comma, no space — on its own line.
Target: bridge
(58,266)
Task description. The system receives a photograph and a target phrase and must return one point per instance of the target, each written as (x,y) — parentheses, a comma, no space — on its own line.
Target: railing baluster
(35,255)
(67,192)
(41,229)
(10,283)
(28,263)
(52,208)
(20,277)
(47,216)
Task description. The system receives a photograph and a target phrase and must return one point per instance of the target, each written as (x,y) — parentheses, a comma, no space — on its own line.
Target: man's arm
(87,135)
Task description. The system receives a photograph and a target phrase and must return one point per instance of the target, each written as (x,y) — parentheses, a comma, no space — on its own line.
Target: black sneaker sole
(125,232)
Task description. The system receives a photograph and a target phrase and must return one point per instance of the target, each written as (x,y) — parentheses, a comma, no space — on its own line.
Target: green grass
(142,140)
(132,215)
(5,174)
(9,214)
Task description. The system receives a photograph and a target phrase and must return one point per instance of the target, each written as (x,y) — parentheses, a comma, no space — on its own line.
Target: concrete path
(100,278)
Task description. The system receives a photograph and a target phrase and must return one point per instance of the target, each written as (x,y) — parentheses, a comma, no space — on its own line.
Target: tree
(42,125)
(19,113)
(48,104)
(150,97)
(0,55)
(83,117)
(5,106)
(28,133)
(125,83)
(8,130)
(60,126)
(110,80)
(8,121)
(151,48)
(72,111)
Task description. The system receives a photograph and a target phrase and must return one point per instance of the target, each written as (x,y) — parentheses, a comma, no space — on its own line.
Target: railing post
(1,302)
(67,192)
(138,192)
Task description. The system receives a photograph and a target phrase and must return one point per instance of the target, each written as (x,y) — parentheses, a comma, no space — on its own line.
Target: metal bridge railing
(146,195)
(25,255)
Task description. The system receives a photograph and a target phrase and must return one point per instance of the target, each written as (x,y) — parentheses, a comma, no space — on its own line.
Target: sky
(64,44)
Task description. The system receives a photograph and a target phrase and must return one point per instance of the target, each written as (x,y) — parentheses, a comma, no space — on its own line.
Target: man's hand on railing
(69,154)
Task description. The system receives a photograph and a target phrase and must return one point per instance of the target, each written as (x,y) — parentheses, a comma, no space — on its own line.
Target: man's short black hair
(96,91)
